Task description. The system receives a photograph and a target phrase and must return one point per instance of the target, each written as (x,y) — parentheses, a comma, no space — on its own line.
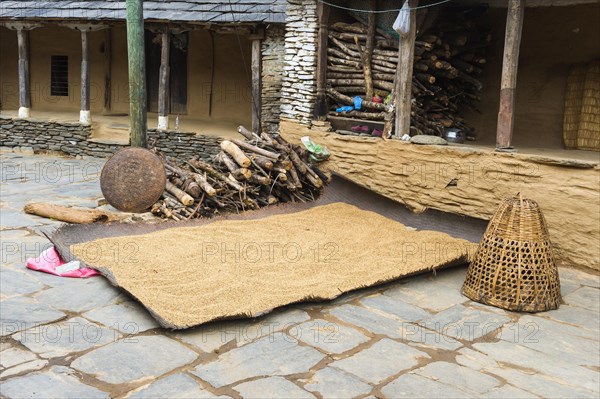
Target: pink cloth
(49,260)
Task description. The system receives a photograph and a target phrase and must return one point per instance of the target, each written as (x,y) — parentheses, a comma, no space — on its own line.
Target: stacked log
(258,171)
(444,83)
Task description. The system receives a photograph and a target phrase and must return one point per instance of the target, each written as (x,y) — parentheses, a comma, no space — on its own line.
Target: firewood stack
(259,171)
(446,67)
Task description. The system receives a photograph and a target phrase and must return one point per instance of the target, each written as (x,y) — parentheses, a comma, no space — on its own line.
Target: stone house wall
(273,50)
(299,80)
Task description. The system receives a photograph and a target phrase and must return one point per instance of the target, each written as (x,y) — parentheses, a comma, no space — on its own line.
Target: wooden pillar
(24,91)
(137,73)
(321,108)
(404,73)
(256,85)
(256,67)
(508,86)
(84,113)
(107,69)
(163,82)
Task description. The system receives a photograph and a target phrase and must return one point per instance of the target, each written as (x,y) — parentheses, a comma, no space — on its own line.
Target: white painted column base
(85,117)
(163,122)
(24,112)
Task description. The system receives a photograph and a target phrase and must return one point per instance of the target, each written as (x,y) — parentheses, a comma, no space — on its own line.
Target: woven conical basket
(514,267)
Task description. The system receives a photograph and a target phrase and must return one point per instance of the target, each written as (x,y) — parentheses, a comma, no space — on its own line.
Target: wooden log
(181,195)
(204,184)
(137,73)
(187,183)
(264,162)
(368,52)
(255,149)
(262,180)
(256,84)
(404,74)
(237,172)
(66,214)
(361,82)
(350,101)
(236,153)
(374,116)
(246,133)
(201,165)
(510,63)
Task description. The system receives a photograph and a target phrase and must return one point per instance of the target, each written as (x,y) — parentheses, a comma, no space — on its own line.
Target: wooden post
(24,91)
(84,113)
(107,69)
(404,72)
(371,27)
(321,108)
(137,72)
(256,85)
(508,86)
(163,82)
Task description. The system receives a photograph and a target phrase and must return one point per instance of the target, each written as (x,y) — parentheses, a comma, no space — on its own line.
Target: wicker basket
(581,124)
(514,267)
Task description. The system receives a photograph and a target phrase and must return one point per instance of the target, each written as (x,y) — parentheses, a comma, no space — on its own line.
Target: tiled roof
(212,11)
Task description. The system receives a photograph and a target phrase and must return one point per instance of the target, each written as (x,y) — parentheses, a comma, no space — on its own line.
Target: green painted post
(137,73)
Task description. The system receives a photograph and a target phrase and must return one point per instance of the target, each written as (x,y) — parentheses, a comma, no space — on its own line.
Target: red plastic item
(49,260)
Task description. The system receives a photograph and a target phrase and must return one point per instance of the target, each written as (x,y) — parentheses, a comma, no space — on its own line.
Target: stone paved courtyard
(418,337)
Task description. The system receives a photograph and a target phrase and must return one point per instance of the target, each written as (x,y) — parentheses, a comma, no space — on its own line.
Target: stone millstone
(426,139)
(133,179)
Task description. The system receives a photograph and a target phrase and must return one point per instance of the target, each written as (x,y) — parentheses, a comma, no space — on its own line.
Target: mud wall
(423,177)
(553,39)
(231,86)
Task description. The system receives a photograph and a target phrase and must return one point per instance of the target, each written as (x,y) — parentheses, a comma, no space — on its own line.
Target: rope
(382,11)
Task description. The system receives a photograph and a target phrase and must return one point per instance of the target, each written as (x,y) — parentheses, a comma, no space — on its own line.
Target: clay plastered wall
(48,41)
(232,93)
(299,84)
(231,87)
(418,176)
(9,77)
(553,39)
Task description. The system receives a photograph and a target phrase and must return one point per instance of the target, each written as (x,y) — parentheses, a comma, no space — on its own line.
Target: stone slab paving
(418,337)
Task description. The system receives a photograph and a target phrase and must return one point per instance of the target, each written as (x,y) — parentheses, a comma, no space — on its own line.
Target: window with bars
(59,75)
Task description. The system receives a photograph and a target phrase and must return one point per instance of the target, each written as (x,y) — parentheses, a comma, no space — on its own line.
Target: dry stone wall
(299,81)
(73,139)
(273,51)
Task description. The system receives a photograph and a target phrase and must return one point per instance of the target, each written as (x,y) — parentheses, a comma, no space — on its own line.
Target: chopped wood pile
(446,65)
(259,171)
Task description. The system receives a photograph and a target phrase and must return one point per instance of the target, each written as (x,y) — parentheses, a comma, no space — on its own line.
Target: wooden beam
(107,69)
(256,85)
(84,113)
(510,63)
(24,88)
(163,82)
(371,26)
(137,73)
(321,107)
(404,72)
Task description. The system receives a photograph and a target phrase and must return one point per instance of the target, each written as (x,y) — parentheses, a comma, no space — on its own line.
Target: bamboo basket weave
(514,267)
(581,123)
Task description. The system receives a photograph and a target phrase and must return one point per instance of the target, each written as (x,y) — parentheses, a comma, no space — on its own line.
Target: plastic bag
(317,152)
(358,102)
(402,23)
(50,262)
